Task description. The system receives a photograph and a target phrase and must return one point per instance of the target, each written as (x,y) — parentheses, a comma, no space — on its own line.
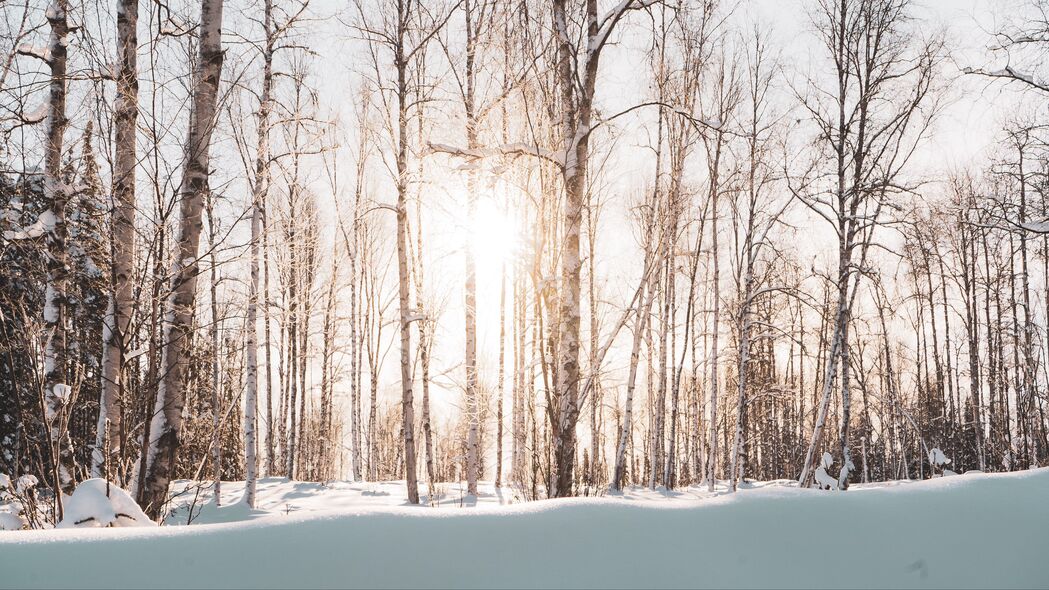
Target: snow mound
(969,531)
(9,521)
(96,503)
(11,509)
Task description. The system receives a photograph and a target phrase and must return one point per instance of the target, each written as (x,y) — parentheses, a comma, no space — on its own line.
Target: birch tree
(110,434)
(755,215)
(577,84)
(52,220)
(167,416)
(403,31)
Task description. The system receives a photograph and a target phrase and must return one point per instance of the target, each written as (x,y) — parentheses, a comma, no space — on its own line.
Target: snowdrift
(97,504)
(965,531)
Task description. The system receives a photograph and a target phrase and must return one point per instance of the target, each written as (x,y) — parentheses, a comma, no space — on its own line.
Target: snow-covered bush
(824,481)
(939,461)
(14,513)
(96,503)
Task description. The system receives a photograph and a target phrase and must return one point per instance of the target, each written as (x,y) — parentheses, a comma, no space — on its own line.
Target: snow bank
(974,530)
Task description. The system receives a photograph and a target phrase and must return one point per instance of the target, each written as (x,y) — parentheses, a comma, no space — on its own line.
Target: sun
(495,236)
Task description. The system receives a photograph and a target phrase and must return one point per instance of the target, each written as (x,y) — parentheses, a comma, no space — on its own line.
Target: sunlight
(496,237)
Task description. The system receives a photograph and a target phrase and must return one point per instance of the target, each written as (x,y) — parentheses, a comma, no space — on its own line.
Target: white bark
(56,195)
(257,201)
(403,295)
(640,325)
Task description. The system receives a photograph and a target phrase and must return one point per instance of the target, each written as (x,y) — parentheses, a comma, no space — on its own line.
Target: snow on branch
(509,149)
(451,150)
(937,458)
(1010,73)
(36,115)
(44,224)
(1038,227)
(29,50)
(522,149)
(608,22)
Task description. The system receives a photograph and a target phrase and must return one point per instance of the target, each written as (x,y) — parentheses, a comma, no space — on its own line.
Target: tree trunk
(110,436)
(258,199)
(501,380)
(403,297)
(213,330)
(56,196)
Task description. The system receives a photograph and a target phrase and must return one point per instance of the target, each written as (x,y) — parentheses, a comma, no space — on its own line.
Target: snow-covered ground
(279,497)
(972,530)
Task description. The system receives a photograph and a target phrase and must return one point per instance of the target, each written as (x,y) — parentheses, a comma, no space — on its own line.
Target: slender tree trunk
(715,189)
(403,296)
(640,326)
(473,409)
(57,392)
(271,424)
(259,191)
(109,435)
(425,346)
(742,361)
(213,330)
(327,437)
(656,436)
(501,379)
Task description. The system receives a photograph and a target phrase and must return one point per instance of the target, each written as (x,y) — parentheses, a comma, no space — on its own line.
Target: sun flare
(495,236)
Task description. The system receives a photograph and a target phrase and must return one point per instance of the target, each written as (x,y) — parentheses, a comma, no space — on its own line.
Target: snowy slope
(964,531)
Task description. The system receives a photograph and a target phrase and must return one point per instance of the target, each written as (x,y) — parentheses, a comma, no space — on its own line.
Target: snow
(1041,227)
(61,392)
(974,530)
(823,479)
(1009,71)
(37,115)
(95,503)
(41,53)
(24,483)
(9,520)
(937,458)
(136,353)
(11,508)
(45,223)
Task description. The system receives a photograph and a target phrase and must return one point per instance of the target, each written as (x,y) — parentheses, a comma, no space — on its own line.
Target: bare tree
(110,435)
(404,30)
(577,84)
(159,461)
(868,130)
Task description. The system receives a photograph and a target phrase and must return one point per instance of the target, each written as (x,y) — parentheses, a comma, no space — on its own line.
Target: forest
(554,247)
